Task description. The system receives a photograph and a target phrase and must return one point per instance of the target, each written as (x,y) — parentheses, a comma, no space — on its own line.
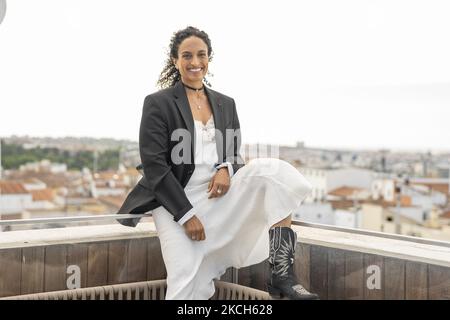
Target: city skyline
(303,143)
(352,75)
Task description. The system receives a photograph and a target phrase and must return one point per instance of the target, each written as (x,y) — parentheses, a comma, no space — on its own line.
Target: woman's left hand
(219,184)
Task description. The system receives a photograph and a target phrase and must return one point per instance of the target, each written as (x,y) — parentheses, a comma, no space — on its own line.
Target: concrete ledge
(406,250)
(44,237)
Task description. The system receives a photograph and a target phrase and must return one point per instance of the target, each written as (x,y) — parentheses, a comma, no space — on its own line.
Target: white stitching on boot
(282,260)
(300,289)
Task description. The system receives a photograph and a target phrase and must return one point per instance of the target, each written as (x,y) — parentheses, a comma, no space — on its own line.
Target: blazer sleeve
(154,150)
(233,156)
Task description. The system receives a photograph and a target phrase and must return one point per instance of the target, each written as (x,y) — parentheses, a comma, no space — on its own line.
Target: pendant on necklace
(198,107)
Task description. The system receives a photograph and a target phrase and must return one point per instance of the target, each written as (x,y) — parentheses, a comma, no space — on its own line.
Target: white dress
(261,193)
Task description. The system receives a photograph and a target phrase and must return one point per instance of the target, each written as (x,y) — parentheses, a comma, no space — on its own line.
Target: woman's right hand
(194,229)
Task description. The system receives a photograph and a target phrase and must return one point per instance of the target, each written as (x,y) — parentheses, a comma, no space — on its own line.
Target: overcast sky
(353,74)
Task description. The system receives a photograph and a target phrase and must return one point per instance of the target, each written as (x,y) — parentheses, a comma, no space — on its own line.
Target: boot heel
(274,292)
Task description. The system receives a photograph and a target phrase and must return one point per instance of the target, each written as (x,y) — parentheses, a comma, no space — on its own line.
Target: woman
(210,210)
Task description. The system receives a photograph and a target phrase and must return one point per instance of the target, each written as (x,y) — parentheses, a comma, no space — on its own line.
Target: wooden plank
(267,274)
(137,260)
(354,275)
(439,285)
(302,264)
(245,276)
(319,271)
(228,275)
(32,280)
(55,268)
(97,264)
(10,272)
(156,268)
(118,261)
(258,275)
(77,254)
(394,279)
(416,285)
(336,274)
(373,277)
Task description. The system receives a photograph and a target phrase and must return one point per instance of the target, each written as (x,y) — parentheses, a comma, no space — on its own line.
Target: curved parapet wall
(335,264)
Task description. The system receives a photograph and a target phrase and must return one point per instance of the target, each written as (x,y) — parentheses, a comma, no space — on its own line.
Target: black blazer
(163,181)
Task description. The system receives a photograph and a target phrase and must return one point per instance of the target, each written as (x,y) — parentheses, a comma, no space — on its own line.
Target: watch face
(2,9)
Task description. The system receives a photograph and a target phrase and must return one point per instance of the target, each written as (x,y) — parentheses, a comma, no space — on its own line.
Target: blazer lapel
(182,103)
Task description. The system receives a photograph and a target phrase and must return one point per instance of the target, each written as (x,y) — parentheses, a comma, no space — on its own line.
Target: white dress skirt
(263,192)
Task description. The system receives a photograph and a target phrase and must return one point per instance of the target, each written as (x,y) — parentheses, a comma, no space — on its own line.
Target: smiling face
(192,61)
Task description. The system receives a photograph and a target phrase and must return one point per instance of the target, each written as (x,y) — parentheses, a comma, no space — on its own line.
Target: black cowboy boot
(283,282)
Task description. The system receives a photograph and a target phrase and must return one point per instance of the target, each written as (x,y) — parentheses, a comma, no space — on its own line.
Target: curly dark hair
(170,75)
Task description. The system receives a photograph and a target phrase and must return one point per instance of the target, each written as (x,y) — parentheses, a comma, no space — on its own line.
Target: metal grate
(145,290)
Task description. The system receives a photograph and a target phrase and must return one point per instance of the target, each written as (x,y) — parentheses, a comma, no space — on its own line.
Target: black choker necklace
(195,89)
